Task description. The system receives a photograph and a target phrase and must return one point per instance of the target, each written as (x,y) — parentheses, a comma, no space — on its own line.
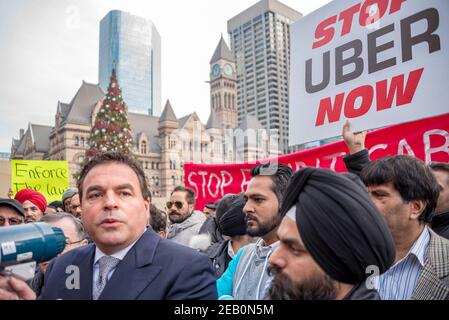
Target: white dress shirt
(119,255)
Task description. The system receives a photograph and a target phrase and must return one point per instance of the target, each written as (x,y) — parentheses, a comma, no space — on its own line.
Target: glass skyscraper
(133,45)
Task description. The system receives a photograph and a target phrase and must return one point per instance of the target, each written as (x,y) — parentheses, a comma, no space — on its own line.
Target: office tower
(132,45)
(260,42)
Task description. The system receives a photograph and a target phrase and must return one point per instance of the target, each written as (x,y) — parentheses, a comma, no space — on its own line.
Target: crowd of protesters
(378,231)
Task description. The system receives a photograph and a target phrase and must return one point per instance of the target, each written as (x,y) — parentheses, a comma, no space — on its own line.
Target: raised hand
(354,141)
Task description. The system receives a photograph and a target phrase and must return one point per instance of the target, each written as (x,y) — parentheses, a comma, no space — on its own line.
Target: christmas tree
(111,131)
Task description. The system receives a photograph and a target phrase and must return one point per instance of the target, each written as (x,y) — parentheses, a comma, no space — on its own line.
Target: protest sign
(426,139)
(51,178)
(375,62)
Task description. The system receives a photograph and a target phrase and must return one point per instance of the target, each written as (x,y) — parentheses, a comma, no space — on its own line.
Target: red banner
(426,139)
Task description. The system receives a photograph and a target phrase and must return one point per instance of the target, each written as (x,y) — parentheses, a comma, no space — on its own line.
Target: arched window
(156,182)
(77,141)
(143,147)
(173,180)
(82,141)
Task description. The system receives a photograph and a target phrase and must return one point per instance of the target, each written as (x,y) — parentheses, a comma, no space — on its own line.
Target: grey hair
(58,216)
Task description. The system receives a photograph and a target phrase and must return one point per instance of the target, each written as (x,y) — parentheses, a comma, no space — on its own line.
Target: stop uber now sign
(376,63)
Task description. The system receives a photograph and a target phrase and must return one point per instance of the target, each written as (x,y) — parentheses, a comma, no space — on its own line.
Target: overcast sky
(48,47)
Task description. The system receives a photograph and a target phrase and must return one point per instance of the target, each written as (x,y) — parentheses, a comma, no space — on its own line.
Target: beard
(262,228)
(178,217)
(320,287)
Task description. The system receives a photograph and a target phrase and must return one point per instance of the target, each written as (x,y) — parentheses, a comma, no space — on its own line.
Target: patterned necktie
(106,264)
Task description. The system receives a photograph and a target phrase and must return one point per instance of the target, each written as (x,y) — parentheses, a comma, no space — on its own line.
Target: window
(171,142)
(143,147)
(82,142)
(77,141)
(173,178)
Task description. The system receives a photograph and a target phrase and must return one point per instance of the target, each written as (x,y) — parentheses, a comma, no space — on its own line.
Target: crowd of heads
(331,227)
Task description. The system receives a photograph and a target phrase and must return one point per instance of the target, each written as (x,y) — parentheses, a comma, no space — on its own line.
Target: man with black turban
(232,225)
(332,240)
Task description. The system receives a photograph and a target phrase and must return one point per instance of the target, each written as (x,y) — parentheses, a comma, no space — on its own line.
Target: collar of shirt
(119,254)
(398,282)
(263,250)
(419,248)
(230,250)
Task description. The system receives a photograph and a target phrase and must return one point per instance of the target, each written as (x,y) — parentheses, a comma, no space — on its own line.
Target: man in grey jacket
(247,277)
(184,221)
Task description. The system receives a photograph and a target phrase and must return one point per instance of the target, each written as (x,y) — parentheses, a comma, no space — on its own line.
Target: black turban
(339,224)
(230,216)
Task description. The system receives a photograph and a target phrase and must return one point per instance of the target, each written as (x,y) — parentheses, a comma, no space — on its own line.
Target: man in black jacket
(232,224)
(440,222)
(210,227)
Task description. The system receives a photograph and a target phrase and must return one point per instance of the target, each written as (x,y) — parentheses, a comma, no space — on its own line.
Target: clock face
(227,69)
(216,70)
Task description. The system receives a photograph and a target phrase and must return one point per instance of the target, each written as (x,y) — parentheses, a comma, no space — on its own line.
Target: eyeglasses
(70,242)
(11,221)
(178,204)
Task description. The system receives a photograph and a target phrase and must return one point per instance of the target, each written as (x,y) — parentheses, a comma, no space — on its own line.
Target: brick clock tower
(223,86)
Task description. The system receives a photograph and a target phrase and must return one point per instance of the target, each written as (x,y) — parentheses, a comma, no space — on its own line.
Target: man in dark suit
(125,261)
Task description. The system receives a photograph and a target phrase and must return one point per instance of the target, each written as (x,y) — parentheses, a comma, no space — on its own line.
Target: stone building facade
(162,144)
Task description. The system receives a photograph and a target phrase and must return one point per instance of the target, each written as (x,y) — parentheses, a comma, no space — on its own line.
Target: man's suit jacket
(153,269)
(433,282)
